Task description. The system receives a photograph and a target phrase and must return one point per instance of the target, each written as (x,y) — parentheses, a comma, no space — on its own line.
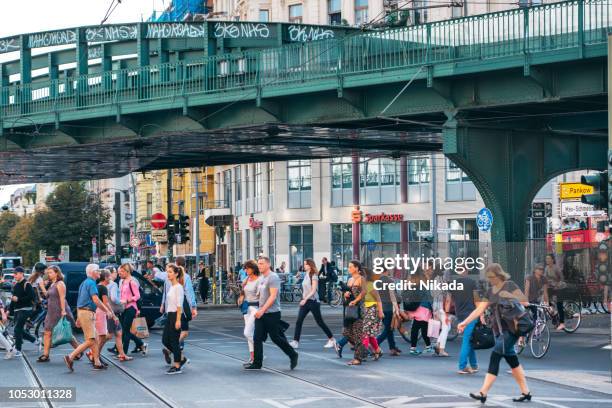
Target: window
(457,10)
(238,245)
(334,11)
(420,12)
(379,181)
(264,15)
(299,183)
(342,181)
(270,182)
(248,244)
(380,241)
(418,180)
(238,176)
(361,12)
(463,239)
(149,205)
(258,180)
(295,13)
(342,245)
(271,244)
(458,184)
(258,242)
(300,245)
(247,180)
(416,243)
(227,187)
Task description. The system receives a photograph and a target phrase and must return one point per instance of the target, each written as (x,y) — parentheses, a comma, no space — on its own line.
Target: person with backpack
(310,303)
(510,321)
(22,303)
(130,298)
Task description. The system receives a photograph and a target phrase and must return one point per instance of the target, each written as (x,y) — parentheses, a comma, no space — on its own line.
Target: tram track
(37,381)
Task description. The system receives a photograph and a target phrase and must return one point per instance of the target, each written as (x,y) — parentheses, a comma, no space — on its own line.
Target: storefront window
(416,243)
(379,181)
(300,245)
(418,179)
(463,239)
(238,246)
(298,183)
(379,240)
(258,242)
(342,181)
(342,245)
(272,244)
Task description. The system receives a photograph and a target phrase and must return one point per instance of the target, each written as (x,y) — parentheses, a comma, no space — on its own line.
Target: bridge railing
(524,31)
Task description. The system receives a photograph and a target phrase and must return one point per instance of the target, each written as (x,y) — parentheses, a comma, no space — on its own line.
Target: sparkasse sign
(378,218)
(572,191)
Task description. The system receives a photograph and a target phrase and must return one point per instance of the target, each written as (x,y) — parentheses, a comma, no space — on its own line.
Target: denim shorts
(504,344)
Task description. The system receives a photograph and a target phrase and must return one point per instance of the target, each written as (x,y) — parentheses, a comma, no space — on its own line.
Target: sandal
(523,397)
(378,355)
(43,359)
(77,358)
(125,358)
(354,362)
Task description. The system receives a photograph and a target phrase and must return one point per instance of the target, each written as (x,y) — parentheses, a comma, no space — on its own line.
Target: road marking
(383,374)
(570,399)
(608,347)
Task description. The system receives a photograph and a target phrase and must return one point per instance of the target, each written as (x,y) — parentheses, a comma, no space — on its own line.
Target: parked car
(74,274)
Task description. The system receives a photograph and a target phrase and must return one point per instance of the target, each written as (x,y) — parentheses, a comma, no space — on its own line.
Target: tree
(7,221)
(20,240)
(73,217)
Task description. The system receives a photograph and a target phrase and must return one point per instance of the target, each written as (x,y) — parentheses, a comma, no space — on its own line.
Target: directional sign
(158,221)
(159,236)
(135,242)
(484,219)
(150,241)
(572,191)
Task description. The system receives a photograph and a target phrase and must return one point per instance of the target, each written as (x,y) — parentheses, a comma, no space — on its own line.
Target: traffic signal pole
(169,194)
(197,222)
(609,133)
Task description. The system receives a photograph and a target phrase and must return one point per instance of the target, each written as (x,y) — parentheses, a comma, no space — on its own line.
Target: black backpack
(332,276)
(186,309)
(517,318)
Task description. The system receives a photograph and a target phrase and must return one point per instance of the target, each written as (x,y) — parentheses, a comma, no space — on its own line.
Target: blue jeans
(387,333)
(343,341)
(467,352)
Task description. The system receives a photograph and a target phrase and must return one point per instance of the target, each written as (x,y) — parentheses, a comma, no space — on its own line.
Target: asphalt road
(570,375)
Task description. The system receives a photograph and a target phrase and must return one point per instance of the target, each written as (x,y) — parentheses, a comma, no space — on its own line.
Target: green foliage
(7,221)
(20,240)
(71,218)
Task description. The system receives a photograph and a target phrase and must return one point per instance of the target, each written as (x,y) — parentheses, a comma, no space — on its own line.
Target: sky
(27,16)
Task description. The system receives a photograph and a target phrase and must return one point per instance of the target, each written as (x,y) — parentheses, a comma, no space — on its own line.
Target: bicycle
(336,296)
(231,293)
(539,337)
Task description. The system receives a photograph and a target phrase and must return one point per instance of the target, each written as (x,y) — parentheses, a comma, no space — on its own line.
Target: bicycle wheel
(336,298)
(229,297)
(539,341)
(573,316)
(296,294)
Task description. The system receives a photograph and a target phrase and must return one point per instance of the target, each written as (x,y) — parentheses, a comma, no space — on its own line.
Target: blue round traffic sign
(484,219)
(371,245)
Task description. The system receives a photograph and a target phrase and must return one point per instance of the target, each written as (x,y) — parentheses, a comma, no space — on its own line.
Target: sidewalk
(598,381)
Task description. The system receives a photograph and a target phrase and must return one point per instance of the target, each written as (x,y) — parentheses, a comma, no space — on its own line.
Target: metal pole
(99,215)
(134,252)
(169,194)
(197,221)
(434,209)
(118,226)
(531,242)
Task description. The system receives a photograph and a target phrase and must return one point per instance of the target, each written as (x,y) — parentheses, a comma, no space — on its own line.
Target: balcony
(216,208)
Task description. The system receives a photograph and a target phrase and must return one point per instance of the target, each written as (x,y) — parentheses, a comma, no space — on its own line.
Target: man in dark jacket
(323,272)
(21,305)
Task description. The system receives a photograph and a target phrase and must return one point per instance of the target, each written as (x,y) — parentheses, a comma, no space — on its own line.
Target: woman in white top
(172,329)
(250,294)
(310,303)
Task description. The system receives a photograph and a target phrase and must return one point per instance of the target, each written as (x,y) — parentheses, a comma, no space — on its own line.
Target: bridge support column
(82,67)
(143,61)
(508,167)
(53,76)
(23,93)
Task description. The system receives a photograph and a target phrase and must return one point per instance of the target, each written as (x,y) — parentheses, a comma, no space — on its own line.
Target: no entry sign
(158,221)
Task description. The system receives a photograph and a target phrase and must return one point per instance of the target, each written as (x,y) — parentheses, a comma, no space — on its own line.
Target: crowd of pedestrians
(109,300)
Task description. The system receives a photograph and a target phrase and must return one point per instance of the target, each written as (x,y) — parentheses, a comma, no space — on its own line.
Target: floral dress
(353,331)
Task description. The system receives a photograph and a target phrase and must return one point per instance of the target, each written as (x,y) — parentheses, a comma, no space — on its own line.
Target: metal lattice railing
(523,31)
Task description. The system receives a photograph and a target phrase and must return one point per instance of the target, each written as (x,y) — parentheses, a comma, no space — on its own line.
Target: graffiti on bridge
(9,44)
(303,33)
(241,30)
(176,30)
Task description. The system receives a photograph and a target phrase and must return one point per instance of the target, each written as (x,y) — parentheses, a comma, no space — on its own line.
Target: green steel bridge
(513,97)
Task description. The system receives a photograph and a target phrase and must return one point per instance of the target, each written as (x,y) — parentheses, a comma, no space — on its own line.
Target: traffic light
(172,228)
(602,265)
(183,228)
(599,198)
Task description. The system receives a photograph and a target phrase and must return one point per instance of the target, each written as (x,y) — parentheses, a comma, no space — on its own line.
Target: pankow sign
(378,218)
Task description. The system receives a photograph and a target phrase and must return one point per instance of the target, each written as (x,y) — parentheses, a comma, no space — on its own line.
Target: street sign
(572,191)
(135,242)
(149,239)
(424,234)
(540,210)
(371,245)
(576,209)
(533,213)
(444,230)
(159,236)
(158,221)
(484,219)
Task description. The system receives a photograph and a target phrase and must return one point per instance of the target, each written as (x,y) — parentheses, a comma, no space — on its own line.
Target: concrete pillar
(355,187)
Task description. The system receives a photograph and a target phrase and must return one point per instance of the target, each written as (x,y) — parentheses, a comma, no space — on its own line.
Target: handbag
(482,337)
(433,328)
(352,313)
(187,309)
(62,333)
(139,328)
(244,307)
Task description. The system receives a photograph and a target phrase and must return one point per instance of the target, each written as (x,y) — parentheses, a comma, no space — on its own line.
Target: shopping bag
(62,333)
(140,328)
(433,328)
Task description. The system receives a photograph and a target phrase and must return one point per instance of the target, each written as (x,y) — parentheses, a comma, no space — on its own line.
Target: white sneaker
(10,354)
(39,342)
(18,353)
(330,343)
(294,344)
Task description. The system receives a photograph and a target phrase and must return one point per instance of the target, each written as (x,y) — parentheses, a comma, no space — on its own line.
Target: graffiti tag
(241,30)
(176,30)
(9,44)
(303,34)
(111,33)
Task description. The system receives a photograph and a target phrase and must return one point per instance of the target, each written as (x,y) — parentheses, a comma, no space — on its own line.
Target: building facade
(356,12)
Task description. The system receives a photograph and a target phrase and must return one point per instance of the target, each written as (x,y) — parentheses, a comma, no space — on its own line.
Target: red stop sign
(158,221)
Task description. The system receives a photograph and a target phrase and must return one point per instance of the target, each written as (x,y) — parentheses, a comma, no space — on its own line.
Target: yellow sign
(571,191)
